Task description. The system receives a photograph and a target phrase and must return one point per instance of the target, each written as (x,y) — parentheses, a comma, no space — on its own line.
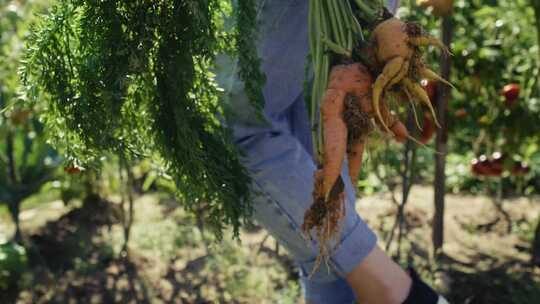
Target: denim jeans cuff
(355,245)
(354,248)
(334,292)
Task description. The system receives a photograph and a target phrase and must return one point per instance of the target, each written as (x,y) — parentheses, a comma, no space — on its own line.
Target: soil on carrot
(358,122)
(171,261)
(324,215)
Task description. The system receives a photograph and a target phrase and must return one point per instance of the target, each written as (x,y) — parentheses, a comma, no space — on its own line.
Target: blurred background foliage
(495,44)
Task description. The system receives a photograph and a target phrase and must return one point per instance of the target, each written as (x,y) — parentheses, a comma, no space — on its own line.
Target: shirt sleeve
(393,6)
(283,48)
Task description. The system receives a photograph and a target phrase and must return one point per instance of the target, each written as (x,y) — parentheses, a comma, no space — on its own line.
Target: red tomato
(20,117)
(431,89)
(511,94)
(428,129)
(495,168)
(475,168)
(485,165)
(497,159)
(496,164)
(72,169)
(479,166)
(525,168)
(461,113)
(520,169)
(482,166)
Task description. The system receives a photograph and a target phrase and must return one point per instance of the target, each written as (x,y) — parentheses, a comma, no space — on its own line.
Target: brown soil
(483,263)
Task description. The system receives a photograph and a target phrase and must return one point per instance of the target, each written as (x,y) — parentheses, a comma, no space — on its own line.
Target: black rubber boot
(421,293)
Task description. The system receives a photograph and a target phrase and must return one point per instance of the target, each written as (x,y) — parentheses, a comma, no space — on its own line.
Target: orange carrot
(396,46)
(355,157)
(335,136)
(390,38)
(356,80)
(352,78)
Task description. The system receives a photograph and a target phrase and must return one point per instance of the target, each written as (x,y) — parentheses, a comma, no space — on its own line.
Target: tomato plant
(510,92)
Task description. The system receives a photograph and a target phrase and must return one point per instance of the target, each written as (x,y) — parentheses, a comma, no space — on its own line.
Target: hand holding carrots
(352,97)
(347,118)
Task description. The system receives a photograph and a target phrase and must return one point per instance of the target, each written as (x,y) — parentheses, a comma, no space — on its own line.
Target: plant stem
(441,142)
(365,8)
(536,7)
(337,22)
(336,48)
(334,30)
(536,241)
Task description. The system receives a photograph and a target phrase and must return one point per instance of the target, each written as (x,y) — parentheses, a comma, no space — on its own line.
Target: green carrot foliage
(133,78)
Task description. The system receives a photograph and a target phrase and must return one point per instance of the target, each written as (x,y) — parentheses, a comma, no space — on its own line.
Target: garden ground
(76,253)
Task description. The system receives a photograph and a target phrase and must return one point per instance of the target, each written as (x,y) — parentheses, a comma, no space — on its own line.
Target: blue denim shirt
(278,154)
(283,48)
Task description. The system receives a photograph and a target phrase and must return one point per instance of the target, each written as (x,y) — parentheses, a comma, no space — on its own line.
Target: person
(278,155)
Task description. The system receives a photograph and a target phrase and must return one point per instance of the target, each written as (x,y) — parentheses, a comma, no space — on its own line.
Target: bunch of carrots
(353,78)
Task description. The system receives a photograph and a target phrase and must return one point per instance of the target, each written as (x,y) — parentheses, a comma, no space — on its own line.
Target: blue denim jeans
(278,154)
(282,170)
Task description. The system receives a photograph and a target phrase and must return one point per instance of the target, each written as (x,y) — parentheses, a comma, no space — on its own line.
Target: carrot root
(431,75)
(417,91)
(427,41)
(402,74)
(391,70)
(355,158)
(323,217)
(335,137)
